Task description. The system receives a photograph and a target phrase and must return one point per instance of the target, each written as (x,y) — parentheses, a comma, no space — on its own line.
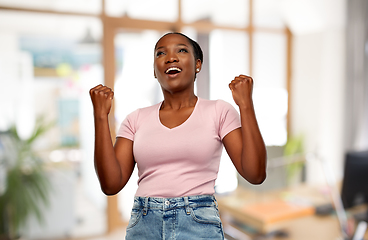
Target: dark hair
(198,54)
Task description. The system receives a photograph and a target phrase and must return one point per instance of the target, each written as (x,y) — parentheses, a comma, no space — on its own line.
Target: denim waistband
(171,203)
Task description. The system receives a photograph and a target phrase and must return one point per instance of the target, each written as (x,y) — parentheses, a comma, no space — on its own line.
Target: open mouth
(173,70)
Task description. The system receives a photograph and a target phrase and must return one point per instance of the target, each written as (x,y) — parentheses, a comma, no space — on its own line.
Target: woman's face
(174,64)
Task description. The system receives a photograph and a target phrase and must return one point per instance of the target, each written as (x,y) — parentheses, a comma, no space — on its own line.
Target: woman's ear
(198,66)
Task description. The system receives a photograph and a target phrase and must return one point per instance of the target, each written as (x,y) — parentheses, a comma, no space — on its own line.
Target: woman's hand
(101,97)
(242,88)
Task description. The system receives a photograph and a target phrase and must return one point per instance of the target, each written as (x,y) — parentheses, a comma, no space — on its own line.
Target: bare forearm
(249,158)
(254,156)
(106,164)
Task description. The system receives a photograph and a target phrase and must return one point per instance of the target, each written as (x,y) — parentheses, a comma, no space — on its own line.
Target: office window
(156,10)
(229,57)
(268,13)
(135,85)
(231,52)
(270,93)
(78,6)
(225,13)
(74,28)
(50,62)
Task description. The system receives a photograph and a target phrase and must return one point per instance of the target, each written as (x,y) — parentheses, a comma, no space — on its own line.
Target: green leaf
(28,187)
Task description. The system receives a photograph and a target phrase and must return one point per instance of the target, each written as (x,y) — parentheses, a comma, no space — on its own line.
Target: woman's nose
(171,57)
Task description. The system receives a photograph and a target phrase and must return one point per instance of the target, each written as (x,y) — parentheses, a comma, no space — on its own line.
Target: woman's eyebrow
(182,44)
(178,45)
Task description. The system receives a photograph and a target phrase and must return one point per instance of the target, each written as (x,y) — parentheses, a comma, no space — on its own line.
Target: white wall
(318,80)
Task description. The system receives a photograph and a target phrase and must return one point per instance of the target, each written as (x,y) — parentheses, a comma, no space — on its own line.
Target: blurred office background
(307,57)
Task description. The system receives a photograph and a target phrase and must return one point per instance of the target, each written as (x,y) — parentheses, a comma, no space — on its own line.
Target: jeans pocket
(135,216)
(206,215)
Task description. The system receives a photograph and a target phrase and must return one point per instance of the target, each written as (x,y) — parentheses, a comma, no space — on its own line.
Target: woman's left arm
(245,145)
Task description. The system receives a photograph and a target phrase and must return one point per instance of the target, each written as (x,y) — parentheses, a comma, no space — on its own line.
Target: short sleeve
(229,118)
(129,126)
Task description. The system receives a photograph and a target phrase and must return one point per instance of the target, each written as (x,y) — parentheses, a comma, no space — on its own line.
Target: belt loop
(186,202)
(215,202)
(145,209)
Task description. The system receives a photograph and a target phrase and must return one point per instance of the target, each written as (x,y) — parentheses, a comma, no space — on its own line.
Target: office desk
(299,223)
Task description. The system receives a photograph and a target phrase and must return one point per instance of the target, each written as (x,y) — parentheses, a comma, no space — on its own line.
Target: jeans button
(167,203)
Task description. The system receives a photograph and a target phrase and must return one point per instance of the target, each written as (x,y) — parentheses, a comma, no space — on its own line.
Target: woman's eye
(183,50)
(159,53)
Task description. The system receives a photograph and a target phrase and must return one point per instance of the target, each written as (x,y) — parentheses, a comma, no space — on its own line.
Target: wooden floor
(115,235)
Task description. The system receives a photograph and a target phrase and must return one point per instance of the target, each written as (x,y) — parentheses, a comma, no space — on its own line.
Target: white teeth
(173,69)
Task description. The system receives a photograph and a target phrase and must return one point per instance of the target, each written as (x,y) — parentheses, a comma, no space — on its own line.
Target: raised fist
(101,97)
(242,88)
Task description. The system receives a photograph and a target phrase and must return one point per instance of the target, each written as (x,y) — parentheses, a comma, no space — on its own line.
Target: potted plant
(294,153)
(26,187)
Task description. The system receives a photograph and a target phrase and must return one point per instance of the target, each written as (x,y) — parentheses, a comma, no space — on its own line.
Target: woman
(177,146)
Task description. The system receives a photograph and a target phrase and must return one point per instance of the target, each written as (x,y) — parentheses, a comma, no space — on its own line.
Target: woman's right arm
(114,164)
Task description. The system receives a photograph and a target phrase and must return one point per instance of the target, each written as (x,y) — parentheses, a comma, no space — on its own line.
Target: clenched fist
(242,88)
(101,97)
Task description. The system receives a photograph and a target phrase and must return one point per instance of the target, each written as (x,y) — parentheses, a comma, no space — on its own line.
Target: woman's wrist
(245,106)
(101,117)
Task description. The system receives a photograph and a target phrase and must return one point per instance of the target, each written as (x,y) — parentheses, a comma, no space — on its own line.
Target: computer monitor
(355,181)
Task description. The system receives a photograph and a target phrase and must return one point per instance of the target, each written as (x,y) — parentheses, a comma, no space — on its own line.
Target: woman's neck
(178,101)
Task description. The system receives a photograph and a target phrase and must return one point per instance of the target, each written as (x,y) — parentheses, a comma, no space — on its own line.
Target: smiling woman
(176,145)
(177,60)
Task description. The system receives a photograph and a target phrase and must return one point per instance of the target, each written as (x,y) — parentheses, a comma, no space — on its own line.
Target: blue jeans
(184,218)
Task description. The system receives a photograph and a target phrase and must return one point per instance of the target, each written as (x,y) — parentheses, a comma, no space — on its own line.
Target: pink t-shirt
(182,161)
